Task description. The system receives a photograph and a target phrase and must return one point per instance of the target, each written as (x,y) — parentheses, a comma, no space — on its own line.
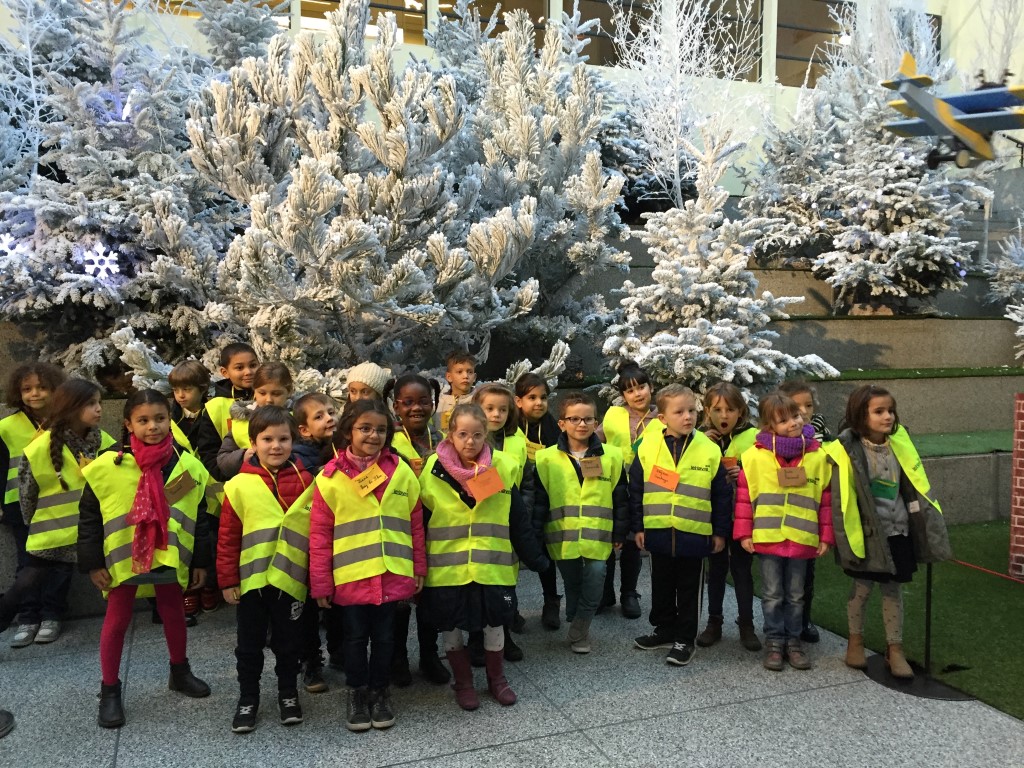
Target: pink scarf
(362,463)
(449,458)
(150,512)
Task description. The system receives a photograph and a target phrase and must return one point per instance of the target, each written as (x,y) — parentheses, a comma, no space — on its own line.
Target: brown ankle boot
(462,671)
(897,662)
(855,652)
(496,682)
(712,632)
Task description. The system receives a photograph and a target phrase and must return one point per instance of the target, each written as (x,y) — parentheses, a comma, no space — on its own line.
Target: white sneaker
(49,631)
(24,636)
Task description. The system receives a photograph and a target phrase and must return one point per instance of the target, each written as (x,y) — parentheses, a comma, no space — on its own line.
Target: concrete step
(971,489)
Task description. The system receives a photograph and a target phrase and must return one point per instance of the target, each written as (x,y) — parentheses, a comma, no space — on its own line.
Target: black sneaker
(291,712)
(512,650)
(631,605)
(652,641)
(358,715)
(518,623)
(381,715)
(245,716)
(681,654)
(313,680)
(810,634)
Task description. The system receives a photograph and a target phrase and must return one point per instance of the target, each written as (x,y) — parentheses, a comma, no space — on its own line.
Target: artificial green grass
(870,374)
(964,443)
(977,618)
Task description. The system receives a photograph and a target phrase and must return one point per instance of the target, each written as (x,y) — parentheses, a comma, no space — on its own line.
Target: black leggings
(735,559)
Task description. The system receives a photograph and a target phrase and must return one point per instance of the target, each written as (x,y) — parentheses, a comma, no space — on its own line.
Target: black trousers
(31,579)
(426,632)
(629,570)
(311,654)
(373,626)
(736,560)
(258,611)
(808,591)
(677,585)
(50,600)
(549,582)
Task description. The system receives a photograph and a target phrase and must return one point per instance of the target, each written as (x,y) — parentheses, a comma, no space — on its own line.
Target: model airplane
(963,123)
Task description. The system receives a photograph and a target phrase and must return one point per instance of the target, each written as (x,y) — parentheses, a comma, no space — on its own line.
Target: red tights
(169,604)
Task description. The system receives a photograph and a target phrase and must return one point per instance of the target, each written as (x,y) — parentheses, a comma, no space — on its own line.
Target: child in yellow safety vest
(784,514)
(476,525)
(141,532)
(581,508)
(272,385)
(625,426)
(50,483)
(30,389)
(460,374)
(726,423)
(263,562)
(887,520)
(367,553)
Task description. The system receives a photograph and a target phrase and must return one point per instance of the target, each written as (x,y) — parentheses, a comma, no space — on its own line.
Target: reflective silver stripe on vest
(590,534)
(494,530)
(400,551)
(596,534)
(800,524)
(490,557)
(12,484)
(262,536)
(357,555)
(772,499)
(294,539)
(682,489)
(59,498)
(587,510)
(447,558)
(391,523)
(354,527)
(685,513)
(804,502)
(762,523)
(293,570)
(119,523)
(253,567)
(448,533)
(69,520)
(117,554)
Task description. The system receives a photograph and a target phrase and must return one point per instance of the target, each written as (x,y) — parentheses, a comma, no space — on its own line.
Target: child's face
(468,436)
(414,406)
(321,421)
(679,415)
(358,391)
(240,370)
(881,417)
(271,393)
(788,425)
(91,413)
(369,434)
(35,395)
(579,422)
(496,408)
(638,397)
(190,398)
(273,446)
(534,404)
(149,422)
(723,417)
(805,402)
(462,377)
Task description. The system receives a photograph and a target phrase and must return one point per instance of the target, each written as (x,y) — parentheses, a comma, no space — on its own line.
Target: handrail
(1020,146)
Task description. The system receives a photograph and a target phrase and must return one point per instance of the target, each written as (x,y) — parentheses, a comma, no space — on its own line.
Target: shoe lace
(289,703)
(245,709)
(681,647)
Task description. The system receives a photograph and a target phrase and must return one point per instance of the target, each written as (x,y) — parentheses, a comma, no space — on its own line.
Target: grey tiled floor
(618,706)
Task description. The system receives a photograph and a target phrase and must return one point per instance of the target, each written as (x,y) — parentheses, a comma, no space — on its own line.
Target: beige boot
(897,662)
(855,652)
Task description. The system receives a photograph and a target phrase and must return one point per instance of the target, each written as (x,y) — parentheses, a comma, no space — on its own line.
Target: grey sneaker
(25,636)
(49,631)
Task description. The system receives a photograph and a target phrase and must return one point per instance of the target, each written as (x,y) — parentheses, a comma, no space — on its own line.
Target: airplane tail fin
(908,74)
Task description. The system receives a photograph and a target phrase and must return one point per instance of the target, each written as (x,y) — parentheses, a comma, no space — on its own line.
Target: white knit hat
(370,374)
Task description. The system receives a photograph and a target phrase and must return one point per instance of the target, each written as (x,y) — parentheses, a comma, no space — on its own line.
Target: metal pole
(928,621)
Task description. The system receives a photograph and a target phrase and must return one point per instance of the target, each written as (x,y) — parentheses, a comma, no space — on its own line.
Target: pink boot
(462,671)
(496,682)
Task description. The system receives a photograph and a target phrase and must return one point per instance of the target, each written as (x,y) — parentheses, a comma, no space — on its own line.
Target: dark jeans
(735,559)
(48,600)
(677,584)
(629,570)
(782,596)
(31,580)
(549,582)
(258,611)
(373,626)
(211,572)
(311,644)
(808,591)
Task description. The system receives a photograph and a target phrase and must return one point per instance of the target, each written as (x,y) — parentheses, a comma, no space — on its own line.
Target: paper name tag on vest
(417,466)
(664,478)
(179,488)
(369,479)
(486,484)
(531,450)
(591,466)
(792,477)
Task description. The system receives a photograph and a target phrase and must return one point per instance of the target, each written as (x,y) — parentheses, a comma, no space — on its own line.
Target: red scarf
(150,511)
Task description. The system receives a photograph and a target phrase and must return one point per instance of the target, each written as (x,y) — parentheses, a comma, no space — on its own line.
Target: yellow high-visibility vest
(910,462)
(17,431)
(514,445)
(115,487)
(581,514)
(371,537)
(468,544)
(240,433)
(275,541)
(618,433)
(219,411)
(847,497)
(688,507)
(785,513)
(741,443)
(55,521)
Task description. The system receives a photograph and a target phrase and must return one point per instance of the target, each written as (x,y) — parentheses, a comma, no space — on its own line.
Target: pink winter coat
(375,590)
(743,525)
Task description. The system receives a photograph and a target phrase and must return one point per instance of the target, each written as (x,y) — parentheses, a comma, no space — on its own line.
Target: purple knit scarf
(789,447)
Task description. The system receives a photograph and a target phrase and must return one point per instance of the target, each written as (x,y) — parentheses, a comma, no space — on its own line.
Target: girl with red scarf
(139,523)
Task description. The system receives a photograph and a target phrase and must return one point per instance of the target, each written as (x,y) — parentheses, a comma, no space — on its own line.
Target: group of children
(300,513)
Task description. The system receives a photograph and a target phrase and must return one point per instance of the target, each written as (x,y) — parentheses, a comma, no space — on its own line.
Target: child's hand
(822,549)
(198,578)
(713,434)
(249,453)
(231,595)
(638,539)
(733,474)
(419,585)
(747,544)
(617,546)
(100,578)
(323,602)
(717,544)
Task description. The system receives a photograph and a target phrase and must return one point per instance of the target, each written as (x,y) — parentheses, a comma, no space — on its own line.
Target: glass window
(411,15)
(805,27)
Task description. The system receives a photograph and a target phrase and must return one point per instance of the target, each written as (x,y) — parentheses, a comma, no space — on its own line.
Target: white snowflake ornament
(100,263)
